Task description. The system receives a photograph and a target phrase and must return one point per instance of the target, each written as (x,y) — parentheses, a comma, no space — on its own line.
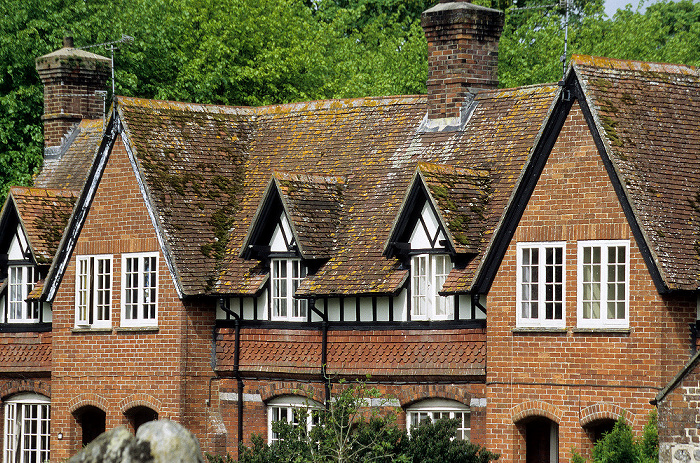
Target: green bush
(620,446)
(349,432)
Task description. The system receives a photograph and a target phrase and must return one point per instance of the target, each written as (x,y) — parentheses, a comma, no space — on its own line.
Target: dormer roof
(458,197)
(42,214)
(311,204)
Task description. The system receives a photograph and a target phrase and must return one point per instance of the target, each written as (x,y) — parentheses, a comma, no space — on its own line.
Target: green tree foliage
(434,443)
(620,445)
(348,431)
(240,52)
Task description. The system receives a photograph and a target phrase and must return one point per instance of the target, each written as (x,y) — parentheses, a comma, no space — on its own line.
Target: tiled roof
(44,214)
(649,117)
(70,169)
(314,206)
(25,352)
(461,196)
(374,144)
(192,158)
(379,353)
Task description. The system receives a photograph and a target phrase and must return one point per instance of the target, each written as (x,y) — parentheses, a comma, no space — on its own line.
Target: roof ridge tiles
(633,65)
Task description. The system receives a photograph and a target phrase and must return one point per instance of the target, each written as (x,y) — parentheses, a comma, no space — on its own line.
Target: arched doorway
(541,441)
(140,415)
(91,421)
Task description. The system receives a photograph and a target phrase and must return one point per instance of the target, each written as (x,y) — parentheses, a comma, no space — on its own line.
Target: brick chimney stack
(74,81)
(462,54)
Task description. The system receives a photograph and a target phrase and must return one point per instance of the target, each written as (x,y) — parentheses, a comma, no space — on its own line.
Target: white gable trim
(428,231)
(282,238)
(77,220)
(18,245)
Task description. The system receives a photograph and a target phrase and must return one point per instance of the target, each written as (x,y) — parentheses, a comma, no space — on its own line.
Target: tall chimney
(74,84)
(462,54)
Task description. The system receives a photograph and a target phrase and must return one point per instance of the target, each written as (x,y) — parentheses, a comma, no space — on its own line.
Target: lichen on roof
(461,196)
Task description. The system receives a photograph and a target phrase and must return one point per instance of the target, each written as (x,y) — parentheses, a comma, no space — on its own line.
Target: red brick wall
(167,369)
(575,376)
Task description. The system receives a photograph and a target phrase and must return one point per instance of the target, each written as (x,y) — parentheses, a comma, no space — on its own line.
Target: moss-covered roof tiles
(70,169)
(373,143)
(649,117)
(461,196)
(192,158)
(44,213)
(315,206)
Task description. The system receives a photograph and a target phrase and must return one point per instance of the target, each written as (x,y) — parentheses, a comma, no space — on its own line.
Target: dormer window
(428,274)
(286,275)
(21,280)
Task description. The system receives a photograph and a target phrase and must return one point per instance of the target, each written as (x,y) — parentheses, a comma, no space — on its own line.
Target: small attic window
(286,276)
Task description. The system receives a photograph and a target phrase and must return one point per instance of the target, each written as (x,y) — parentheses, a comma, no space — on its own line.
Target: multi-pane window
(540,283)
(93,291)
(21,280)
(603,283)
(139,289)
(287,275)
(27,429)
(294,411)
(437,409)
(428,274)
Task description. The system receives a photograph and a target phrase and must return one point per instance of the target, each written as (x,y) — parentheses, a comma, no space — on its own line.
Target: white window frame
(539,295)
(428,275)
(603,292)
(141,295)
(90,290)
(435,409)
(27,424)
(17,293)
(286,274)
(287,408)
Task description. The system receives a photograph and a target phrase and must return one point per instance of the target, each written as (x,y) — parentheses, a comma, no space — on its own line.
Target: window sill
(91,330)
(137,329)
(540,330)
(603,330)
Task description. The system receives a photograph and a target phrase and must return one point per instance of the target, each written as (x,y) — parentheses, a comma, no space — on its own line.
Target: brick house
(522,259)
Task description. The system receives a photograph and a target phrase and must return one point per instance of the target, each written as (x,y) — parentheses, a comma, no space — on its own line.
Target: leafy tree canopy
(239,52)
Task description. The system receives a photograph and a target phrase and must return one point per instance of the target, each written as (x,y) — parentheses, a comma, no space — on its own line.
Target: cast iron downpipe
(324,348)
(236,363)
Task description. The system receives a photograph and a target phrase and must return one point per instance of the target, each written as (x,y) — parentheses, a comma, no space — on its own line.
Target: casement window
(21,280)
(287,275)
(428,274)
(603,284)
(93,294)
(27,429)
(140,289)
(540,284)
(293,410)
(437,409)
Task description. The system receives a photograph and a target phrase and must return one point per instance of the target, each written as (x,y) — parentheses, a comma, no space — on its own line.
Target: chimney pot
(68,40)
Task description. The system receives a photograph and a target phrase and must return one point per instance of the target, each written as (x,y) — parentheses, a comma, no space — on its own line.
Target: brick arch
(84,400)
(604,411)
(410,396)
(535,408)
(17,386)
(140,400)
(308,390)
